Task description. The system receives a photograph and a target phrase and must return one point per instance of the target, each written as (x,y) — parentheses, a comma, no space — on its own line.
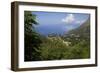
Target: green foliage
(80,50)
(54,48)
(32,39)
(29,19)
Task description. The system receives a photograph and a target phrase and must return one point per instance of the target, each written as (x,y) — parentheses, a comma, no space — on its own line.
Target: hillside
(81,31)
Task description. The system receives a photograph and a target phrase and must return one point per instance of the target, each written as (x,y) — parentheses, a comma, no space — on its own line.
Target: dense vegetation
(74,45)
(32,39)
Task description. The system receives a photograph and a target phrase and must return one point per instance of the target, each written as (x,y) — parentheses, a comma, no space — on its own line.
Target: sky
(58,22)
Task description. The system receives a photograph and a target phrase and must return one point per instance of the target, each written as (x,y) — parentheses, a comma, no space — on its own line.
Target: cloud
(70,18)
(79,21)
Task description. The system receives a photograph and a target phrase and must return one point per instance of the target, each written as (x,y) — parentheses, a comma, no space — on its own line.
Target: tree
(32,39)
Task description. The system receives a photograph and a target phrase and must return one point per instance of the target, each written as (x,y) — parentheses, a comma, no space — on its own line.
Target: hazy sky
(58,22)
